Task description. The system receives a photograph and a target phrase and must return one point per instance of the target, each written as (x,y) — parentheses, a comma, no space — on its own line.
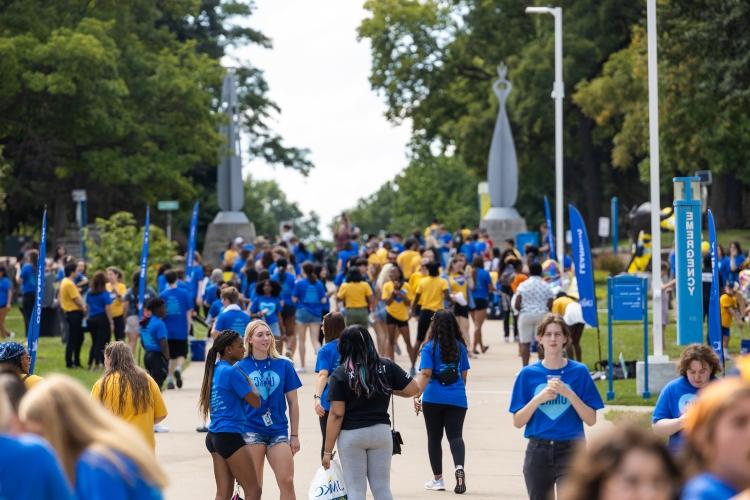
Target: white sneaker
(300,369)
(435,485)
(158,428)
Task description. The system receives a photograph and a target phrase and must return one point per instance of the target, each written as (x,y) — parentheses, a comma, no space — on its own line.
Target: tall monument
(231,222)
(502,221)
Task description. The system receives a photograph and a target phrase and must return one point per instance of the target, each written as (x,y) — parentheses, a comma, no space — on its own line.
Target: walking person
(443,368)
(132,321)
(27,278)
(480,294)
(309,296)
(73,308)
(117,291)
(356,295)
(267,306)
(396,294)
(154,340)
(178,321)
(360,393)
(288,308)
(326,363)
(571,312)
(98,305)
(460,285)
(6,301)
(268,432)
(232,317)
(224,392)
(552,398)
(430,295)
(533,301)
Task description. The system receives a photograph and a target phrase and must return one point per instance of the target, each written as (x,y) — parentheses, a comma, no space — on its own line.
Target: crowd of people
(262,302)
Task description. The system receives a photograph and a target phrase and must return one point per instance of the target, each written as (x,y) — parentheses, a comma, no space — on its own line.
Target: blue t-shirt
(161,283)
(272,305)
(435,392)
(707,487)
(215,309)
(178,303)
(467,249)
(238,265)
(97,303)
(555,420)
(196,275)
(673,402)
(5,285)
(232,318)
(29,469)
(273,378)
(328,359)
(98,477)
(209,294)
(482,284)
(228,393)
(310,295)
(28,278)
(154,331)
(345,255)
(287,286)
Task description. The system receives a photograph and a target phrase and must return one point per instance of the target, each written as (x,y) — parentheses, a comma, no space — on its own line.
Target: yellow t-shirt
(117,307)
(726,302)
(355,295)
(398,308)
(31,380)
(408,261)
(431,291)
(229,257)
(143,422)
(382,254)
(559,305)
(68,293)
(459,283)
(373,259)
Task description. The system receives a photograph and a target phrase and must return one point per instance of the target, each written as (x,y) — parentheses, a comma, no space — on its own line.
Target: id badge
(267,419)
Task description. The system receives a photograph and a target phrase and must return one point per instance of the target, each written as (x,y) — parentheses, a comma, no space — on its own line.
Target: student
(267,306)
(154,340)
(717,447)
(27,278)
(14,358)
(552,398)
(444,366)
(409,259)
(178,320)
(396,294)
(327,361)
(309,296)
(129,392)
(100,324)
(698,366)
(729,310)
(117,290)
(267,430)
(161,277)
(132,321)
(231,317)
(431,293)
(73,308)
(6,301)
(288,308)
(459,293)
(224,392)
(533,300)
(102,456)
(481,295)
(626,463)
(356,295)
(570,310)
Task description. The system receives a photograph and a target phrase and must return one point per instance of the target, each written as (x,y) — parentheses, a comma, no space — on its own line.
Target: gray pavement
(494,448)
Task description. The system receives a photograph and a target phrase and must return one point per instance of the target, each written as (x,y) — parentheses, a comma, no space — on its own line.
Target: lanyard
(262,376)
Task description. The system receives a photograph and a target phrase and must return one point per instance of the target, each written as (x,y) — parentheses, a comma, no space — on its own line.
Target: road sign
(168,205)
(627,298)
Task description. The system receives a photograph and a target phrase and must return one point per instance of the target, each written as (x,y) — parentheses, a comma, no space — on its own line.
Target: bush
(613,264)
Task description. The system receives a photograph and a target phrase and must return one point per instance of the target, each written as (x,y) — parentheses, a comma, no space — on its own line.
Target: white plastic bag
(459,298)
(328,484)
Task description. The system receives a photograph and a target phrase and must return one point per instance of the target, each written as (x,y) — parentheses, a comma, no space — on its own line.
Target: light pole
(558,93)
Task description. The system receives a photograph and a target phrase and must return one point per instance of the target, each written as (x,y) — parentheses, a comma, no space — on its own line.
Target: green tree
(267,206)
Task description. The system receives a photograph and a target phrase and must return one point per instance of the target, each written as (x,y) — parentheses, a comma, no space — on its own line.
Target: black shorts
(225,444)
(423,326)
(459,310)
(156,366)
(480,304)
(288,311)
(177,348)
(390,320)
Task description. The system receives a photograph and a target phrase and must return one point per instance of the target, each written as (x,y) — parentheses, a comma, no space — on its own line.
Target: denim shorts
(303,316)
(275,329)
(268,440)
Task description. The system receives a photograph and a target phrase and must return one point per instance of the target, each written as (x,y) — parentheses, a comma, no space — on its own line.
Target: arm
(333,428)
(522,416)
(587,414)
(164,346)
(414,305)
(108,311)
(410,390)
(668,426)
(293,404)
(320,384)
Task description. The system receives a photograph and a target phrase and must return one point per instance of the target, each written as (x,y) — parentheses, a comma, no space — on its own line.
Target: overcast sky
(317,73)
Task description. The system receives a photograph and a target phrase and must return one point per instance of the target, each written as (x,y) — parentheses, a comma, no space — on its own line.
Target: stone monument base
(225,228)
(502,223)
(660,372)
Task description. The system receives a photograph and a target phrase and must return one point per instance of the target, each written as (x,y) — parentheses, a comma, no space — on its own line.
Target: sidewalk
(494,448)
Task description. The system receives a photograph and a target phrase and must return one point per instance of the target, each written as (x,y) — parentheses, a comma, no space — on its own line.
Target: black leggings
(451,418)
(119,324)
(27,308)
(100,335)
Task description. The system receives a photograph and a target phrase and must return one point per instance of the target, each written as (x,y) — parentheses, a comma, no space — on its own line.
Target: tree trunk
(725,201)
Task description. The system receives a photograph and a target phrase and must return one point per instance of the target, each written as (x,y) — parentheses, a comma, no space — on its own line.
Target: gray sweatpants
(366,456)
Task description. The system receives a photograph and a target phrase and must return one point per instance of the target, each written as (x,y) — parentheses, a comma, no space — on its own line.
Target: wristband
(328,453)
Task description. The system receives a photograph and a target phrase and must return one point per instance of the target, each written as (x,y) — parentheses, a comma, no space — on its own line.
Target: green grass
(639,418)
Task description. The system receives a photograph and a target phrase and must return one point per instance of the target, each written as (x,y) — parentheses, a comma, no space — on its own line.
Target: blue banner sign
(583,268)
(144,263)
(626,298)
(714,318)
(190,257)
(36,314)
(687,207)
(550,238)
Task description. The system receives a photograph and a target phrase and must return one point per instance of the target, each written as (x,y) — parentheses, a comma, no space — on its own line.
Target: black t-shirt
(360,410)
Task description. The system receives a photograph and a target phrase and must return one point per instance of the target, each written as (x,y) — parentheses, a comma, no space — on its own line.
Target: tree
(267,206)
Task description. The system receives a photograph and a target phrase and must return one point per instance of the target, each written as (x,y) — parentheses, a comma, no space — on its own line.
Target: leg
(454,424)
(425,318)
(412,350)
(390,342)
(463,324)
(3,331)
(433,420)
(354,462)
(561,460)
(291,335)
(241,466)
(479,316)
(382,338)
(524,350)
(258,453)
(301,329)
(574,346)
(314,328)
(282,462)
(133,341)
(379,455)
(75,336)
(27,308)
(538,471)
(505,317)
(224,478)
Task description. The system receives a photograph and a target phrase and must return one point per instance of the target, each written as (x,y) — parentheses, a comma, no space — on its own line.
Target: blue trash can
(745,346)
(198,350)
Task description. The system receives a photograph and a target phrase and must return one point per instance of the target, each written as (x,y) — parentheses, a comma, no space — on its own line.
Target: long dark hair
(444,330)
(98,283)
(361,362)
(309,271)
(275,287)
(133,380)
(223,341)
(281,269)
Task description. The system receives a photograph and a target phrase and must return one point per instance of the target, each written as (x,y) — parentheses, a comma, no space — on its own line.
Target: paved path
(494,448)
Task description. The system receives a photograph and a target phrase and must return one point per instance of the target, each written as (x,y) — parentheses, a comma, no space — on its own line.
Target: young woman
(459,293)
(6,300)
(552,398)
(360,393)
(288,309)
(102,456)
(267,430)
(129,392)
(100,322)
(356,295)
(717,441)
(481,295)
(117,291)
(27,279)
(430,295)
(627,463)
(154,339)
(267,306)
(224,392)
(309,296)
(15,359)
(396,295)
(327,362)
(381,276)
(735,258)
(132,326)
(444,366)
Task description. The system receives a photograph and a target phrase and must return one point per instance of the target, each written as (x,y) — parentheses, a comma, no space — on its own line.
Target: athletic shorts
(462,311)
(225,444)
(269,440)
(724,331)
(480,304)
(177,348)
(288,310)
(527,326)
(390,320)
(132,326)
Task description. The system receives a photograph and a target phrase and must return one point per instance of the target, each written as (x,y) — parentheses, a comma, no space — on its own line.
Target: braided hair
(362,363)
(444,330)
(224,340)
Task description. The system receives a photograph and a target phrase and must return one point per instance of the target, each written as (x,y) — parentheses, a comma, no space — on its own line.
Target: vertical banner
(190,257)
(36,315)
(144,263)
(615,215)
(550,230)
(687,207)
(714,318)
(583,268)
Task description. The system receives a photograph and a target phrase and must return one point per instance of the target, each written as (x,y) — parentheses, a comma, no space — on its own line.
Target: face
(698,374)
(234,351)
(640,476)
(729,451)
(394,274)
(80,266)
(267,288)
(324,272)
(429,254)
(261,339)
(111,276)
(733,249)
(553,339)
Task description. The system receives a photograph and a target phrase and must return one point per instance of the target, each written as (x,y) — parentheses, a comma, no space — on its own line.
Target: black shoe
(202,428)
(178,378)
(460,482)
(170,385)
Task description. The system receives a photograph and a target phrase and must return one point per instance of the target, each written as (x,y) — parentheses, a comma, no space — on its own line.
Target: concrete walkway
(494,448)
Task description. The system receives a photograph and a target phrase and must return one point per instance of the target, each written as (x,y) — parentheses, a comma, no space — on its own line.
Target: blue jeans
(268,440)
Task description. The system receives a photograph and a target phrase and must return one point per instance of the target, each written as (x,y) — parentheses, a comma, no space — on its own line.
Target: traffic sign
(168,205)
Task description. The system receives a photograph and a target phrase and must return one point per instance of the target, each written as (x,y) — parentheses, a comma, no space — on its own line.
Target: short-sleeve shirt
(536,294)
(287,285)
(228,393)
(435,392)
(5,285)
(131,297)
(362,411)
(153,333)
(408,261)
(459,283)
(559,305)
(328,360)
(482,284)
(707,486)
(555,420)
(310,296)
(67,294)
(98,477)
(673,402)
(272,306)
(30,469)
(517,280)
(178,303)
(232,318)
(28,278)
(727,303)
(118,306)
(355,295)
(431,291)
(97,303)
(273,378)
(397,308)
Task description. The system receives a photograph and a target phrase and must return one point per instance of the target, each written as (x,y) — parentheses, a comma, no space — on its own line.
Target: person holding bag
(360,390)
(444,365)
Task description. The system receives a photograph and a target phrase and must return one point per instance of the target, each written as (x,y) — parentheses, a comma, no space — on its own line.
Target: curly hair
(701,353)
(444,330)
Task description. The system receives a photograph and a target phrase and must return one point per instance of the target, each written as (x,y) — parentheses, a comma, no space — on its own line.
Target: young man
(177,320)
(154,339)
(231,317)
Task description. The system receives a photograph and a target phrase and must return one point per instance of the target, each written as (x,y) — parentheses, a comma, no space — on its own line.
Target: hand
(319,410)
(417,405)
(547,394)
(294,444)
(326,461)
(559,387)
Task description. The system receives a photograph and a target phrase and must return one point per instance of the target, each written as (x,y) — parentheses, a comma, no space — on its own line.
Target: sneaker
(460,481)
(435,485)
(159,428)
(170,385)
(178,378)
(202,428)
(300,369)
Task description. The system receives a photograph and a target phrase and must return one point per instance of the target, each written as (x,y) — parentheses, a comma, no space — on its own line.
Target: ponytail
(309,271)
(224,339)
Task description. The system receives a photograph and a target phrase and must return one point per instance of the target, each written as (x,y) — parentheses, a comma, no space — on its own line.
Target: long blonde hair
(133,381)
(72,423)
(250,331)
(385,275)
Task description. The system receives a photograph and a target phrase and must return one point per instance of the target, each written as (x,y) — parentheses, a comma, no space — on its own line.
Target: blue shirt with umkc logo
(178,303)
(228,393)
(232,318)
(674,400)
(328,359)
(555,420)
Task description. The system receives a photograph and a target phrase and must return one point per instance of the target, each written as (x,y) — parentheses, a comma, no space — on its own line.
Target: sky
(317,73)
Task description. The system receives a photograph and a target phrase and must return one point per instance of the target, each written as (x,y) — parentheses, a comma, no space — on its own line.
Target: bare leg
(463,324)
(224,478)
(3,330)
(301,330)
(241,466)
(282,463)
(258,452)
(412,350)
(479,317)
(381,337)
(314,329)
(291,336)
(390,342)
(524,349)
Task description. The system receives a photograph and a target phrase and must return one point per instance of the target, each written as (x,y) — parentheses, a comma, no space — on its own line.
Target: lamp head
(540,10)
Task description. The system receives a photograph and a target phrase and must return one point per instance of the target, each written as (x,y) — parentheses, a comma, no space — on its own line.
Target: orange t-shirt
(517,280)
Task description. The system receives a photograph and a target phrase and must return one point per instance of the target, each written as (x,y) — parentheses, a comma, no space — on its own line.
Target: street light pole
(558,93)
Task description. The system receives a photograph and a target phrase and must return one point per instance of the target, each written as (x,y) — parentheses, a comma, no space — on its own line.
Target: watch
(315,396)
